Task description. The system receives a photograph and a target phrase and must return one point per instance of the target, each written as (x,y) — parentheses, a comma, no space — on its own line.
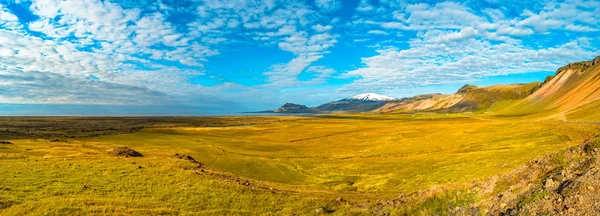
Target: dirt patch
(125,151)
(57,140)
(189,158)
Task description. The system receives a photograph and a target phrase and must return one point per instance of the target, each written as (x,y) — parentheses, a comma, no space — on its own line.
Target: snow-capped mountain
(358,103)
(369,97)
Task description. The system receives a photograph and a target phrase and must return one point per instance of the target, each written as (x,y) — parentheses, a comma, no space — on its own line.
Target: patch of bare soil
(125,151)
(190,159)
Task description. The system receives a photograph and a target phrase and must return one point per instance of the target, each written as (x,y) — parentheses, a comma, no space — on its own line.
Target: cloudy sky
(242,55)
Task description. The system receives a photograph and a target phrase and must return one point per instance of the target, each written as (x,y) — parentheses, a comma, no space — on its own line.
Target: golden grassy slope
(422,103)
(572,93)
(77,179)
(469,98)
(574,86)
(492,98)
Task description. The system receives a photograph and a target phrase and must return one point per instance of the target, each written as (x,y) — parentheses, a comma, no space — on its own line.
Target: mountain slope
(572,94)
(468,98)
(570,91)
(492,97)
(428,102)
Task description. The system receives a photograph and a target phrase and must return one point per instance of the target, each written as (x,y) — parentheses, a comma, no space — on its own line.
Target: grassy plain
(307,162)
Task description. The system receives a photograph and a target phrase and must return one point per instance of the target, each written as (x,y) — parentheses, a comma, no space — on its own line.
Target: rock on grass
(125,151)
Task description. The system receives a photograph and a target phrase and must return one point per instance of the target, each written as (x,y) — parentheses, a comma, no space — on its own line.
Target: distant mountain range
(573,93)
(358,103)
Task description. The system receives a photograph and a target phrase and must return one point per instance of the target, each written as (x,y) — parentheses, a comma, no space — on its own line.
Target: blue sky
(236,55)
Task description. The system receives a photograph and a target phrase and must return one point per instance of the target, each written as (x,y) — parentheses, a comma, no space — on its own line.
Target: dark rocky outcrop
(190,159)
(573,66)
(294,108)
(579,65)
(126,152)
(564,183)
(466,88)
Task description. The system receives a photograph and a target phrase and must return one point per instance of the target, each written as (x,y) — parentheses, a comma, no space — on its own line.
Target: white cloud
(447,15)
(541,23)
(321,69)
(8,20)
(463,34)
(394,25)
(361,40)
(307,50)
(377,32)
(364,6)
(90,38)
(563,15)
(42,87)
(321,28)
(512,31)
(580,28)
(44,26)
(572,15)
(328,5)
(5,15)
(127,46)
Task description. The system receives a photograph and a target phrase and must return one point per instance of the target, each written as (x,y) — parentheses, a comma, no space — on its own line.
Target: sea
(125,110)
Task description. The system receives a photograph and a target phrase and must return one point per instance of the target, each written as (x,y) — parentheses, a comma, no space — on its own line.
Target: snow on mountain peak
(370,97)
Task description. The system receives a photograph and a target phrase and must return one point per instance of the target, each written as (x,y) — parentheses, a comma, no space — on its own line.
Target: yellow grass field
(293,166)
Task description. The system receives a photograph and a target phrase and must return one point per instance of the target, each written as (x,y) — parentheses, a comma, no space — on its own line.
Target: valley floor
(340,164)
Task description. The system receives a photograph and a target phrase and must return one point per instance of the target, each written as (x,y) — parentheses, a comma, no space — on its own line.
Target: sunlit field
(362,155)
(292,165)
